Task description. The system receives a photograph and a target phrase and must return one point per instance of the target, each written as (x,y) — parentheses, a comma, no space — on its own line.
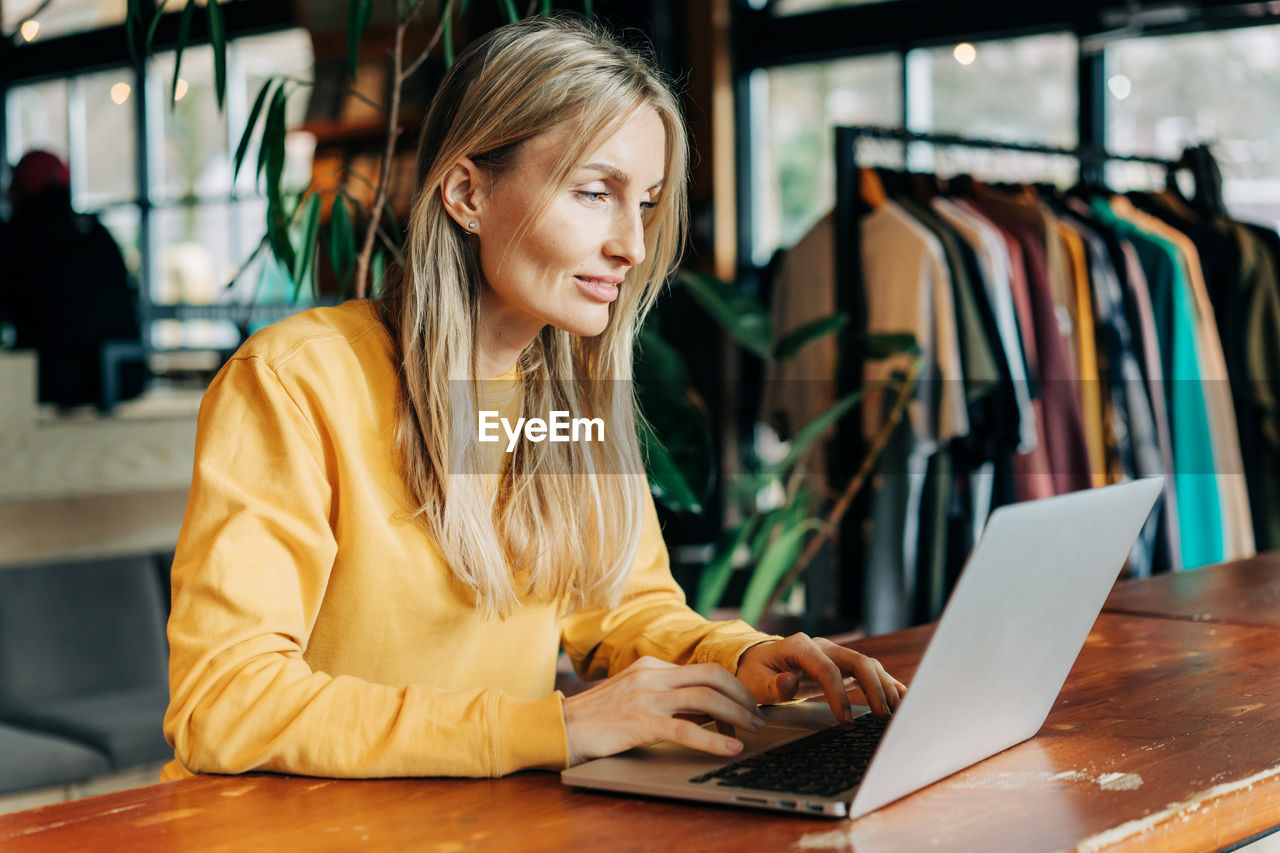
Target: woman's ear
(462,192)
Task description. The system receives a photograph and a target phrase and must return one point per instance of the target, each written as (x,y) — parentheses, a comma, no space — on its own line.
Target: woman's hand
(640,705)
(771,671)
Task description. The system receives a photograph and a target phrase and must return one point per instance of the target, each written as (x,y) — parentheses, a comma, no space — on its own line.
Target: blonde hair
(562,524)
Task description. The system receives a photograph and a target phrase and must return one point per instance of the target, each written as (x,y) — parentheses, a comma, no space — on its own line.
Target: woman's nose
(626,243)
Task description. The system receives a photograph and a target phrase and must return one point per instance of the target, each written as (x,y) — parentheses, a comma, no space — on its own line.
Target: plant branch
(431,45)
(842,505)
(390,244)
(384,174)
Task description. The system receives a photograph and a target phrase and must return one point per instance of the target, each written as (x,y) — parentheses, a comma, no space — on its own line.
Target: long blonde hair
(562,523)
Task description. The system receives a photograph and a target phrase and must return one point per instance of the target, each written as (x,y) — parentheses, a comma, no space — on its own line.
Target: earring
(472,225)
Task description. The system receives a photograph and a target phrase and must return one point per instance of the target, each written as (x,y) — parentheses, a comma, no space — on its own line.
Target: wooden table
(1166,736)
(1246,592)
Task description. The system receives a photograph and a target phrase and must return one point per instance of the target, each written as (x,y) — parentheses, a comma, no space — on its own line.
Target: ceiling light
(965,53)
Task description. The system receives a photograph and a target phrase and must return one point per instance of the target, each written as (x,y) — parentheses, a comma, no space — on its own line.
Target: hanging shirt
(908,289)
(993,257)
(1260,284)
(1032,469)
(1148,347)
(1132,434)
(1225,436)
(1086,352)
(1063,429)
(1199,504)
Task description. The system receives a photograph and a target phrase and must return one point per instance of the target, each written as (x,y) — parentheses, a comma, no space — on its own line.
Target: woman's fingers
(827,664)
(882,695)
(884,692)
(652,700)
(714,676)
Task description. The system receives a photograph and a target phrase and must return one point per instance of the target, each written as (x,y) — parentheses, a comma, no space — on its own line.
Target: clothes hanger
(872,188)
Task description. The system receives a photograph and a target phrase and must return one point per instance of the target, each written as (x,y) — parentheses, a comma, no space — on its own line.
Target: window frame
(74,55)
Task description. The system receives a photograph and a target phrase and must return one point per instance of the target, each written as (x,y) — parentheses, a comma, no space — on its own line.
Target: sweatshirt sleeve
(249,580)
(652,619)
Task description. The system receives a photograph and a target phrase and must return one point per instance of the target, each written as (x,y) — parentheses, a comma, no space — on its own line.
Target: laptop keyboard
(822,764)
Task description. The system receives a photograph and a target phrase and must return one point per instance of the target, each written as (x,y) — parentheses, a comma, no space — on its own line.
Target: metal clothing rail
(850,300)
(847,137)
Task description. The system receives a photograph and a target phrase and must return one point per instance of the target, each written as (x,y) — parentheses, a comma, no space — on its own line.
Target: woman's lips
(598,289)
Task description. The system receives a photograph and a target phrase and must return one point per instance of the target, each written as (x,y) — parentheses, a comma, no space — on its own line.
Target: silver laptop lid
(1013,626)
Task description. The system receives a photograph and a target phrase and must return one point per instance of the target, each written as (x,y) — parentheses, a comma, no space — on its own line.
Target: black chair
(37,760)
(83,655)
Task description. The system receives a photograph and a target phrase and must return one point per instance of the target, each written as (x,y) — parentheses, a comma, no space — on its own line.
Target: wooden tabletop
(1165,735)
(1245,592)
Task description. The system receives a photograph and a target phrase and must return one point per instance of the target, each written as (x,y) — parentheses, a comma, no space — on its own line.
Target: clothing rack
(849,447)
(848,247)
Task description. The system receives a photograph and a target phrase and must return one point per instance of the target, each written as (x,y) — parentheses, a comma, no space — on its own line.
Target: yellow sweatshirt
(315,632)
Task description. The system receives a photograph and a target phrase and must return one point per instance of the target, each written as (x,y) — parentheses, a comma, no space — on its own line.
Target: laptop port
(814,807)
(760,801)
(787,804)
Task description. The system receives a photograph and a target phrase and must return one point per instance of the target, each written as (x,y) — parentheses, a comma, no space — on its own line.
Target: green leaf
(665,480)
(659,364)
(303,263)
(715,576)
(797,339)
(379,267)
(272,158)
(875,345)
(342,240)
(271,154)
(218,39)
(777,560)
(735,312)
(184,33)
(768,522)
(397,236)
(243,147)
(262,244)
(358,14)
(510,7)
(813,430)
(785,517)
(151,30)
(447,36)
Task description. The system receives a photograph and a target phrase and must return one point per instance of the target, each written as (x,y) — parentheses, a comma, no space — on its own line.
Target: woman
(362,587)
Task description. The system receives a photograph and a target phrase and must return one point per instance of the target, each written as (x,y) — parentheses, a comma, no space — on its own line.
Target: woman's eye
(592,196)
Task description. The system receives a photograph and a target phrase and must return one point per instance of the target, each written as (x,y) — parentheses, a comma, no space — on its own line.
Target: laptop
(1015,622)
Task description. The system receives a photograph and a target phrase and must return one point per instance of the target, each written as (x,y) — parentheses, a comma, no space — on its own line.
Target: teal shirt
(1195,477)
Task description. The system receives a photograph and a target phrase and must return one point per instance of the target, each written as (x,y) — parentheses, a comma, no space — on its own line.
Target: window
(1220,88)
(794,112)
(59,18)
(36,115)
(200,232)
(1015,90)
(104,170)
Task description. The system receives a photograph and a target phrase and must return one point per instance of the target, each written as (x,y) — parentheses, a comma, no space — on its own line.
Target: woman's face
(568,265)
